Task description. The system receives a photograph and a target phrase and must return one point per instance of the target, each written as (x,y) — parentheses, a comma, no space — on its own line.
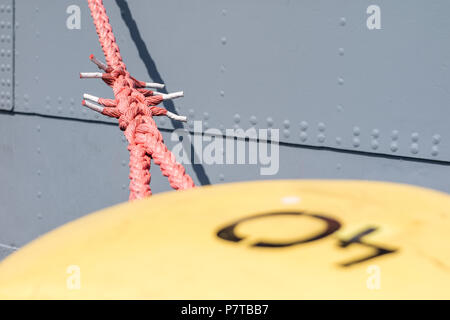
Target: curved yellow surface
(258,240)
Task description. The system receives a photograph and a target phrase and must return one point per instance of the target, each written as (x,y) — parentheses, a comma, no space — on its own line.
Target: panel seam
(281,143)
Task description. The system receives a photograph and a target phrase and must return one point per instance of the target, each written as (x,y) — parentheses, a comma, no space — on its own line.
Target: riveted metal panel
(311,68)
(6,54)
(49,57)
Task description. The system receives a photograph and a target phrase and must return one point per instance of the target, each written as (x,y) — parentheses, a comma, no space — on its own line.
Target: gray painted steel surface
(350,103)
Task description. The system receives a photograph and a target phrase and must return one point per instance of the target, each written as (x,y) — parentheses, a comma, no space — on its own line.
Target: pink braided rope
(135,108)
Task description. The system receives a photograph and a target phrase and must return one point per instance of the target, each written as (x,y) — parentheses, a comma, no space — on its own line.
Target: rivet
(339,108)
(237,118)
(321,126)
(206,115)
(415,137)
(436,139)
(394,147)
(434,151)
(222,93)
(321,137)
(414,148)
(374,145)
(343,21)
(303,136)
(253,120)
(223,40)
(304,125)
(356,131)
(338,141)
(356,142)
(341,51)
(394,135)
(340,81)
(286,133)
(269,121)
(286,124)
(375,133)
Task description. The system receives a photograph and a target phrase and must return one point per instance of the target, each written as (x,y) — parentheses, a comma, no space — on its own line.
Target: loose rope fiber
(134,106)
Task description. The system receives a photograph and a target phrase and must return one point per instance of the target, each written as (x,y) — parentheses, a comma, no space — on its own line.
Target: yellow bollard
(257,240)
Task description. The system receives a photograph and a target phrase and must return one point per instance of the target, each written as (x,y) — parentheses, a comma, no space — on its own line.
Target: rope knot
(137,97)
(134,107)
